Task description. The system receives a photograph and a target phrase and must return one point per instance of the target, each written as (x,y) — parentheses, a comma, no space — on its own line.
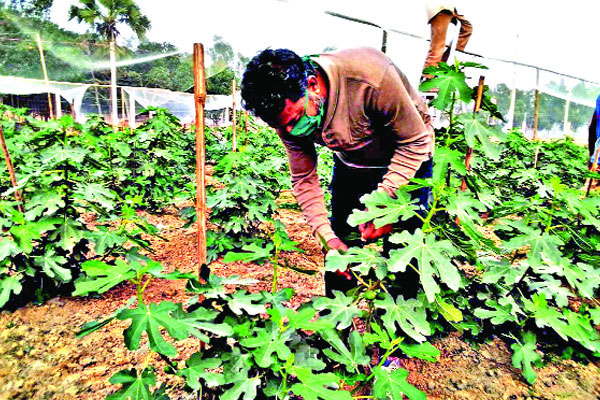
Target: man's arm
(306,187)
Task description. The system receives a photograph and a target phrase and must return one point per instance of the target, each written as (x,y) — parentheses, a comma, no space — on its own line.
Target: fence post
(513,100)
(469,155)
(566,120)
(45,71)
(132,110)
(234,121)
(536,117)
(199,100)
(123,113)
(11,170)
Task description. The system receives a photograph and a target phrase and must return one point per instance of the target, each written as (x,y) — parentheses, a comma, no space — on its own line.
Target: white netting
(72,92)
(530,33)
(94,99)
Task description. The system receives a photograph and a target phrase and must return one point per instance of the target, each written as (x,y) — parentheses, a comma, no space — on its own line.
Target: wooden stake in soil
(199,100)
(123,113)
(469,155)
(45,71)
(593,168)
(11,171)
(132,110)
(246,127)
(234,122)
(536,117)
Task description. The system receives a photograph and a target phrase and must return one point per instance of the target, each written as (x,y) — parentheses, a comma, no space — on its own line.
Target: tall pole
(132,110)
(593,168)
(536,117)
(513,92)
(469,155)
(199,100)
(123,113)
(11,170)
(113,85)
(566,119)
(513,100)
(234,122)
(45,71)
(246,127)
(57,100)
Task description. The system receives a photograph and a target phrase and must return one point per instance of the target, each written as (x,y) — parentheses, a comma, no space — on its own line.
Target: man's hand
(337,244)
(369,232)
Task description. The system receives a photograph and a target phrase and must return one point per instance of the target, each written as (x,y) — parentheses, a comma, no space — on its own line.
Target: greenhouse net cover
(506,38)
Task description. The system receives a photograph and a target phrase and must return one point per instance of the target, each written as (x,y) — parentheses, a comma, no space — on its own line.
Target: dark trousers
(347,187)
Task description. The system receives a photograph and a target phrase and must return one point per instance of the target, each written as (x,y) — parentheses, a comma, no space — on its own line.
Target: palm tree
(104,16)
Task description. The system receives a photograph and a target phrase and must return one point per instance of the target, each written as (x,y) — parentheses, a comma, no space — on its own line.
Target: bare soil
(40,358)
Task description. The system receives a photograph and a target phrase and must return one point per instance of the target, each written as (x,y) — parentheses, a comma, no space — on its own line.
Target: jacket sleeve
(306,187)
(405,115)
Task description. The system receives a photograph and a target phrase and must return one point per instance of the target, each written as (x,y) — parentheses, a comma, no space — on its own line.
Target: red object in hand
(369,232)
(344,274)
(337,244)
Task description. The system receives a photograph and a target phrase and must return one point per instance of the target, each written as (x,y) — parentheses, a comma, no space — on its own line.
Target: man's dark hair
(271,77)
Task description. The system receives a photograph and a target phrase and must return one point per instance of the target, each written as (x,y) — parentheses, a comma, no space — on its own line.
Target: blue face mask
(307,124)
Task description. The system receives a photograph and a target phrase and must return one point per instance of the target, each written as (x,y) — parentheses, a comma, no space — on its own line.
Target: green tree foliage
(552,108)
(19,55)
(225,66)
(104,16)
(31,8)
(220,82)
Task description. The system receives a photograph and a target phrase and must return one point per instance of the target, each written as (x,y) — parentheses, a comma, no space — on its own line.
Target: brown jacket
(374,118)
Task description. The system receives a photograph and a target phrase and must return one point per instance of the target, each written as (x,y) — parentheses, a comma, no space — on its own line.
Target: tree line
(552,108)
(70,57)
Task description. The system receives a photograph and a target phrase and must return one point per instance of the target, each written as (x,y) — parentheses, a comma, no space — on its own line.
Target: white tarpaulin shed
(179,104)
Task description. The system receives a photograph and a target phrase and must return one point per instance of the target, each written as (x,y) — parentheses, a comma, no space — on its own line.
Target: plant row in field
(68,173)
(532,274)
(522,280)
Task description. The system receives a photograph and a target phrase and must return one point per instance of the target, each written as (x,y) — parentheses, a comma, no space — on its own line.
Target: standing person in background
(439,16)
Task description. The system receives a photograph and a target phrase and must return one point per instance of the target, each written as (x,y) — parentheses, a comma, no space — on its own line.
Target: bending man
(360,105)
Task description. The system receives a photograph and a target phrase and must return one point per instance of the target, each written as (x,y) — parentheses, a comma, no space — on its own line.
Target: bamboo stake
(566,119)
(11,170)
(384,41)
(593,168)
(536,117)
(199,99)
(123,113)
(58,101)
(513,99)
(469,155)
(246,127)
(132,110)
(114,118)
(45,71)
(233,126)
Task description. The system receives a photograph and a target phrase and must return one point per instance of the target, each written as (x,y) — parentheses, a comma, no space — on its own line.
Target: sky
(552,34)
